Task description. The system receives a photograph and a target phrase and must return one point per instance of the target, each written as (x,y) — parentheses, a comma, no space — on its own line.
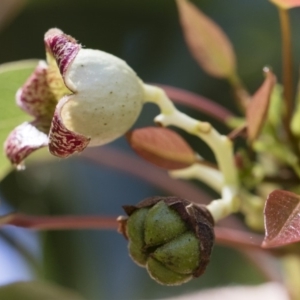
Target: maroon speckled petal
(35,97)
(63,47)
(63,142)
(23,140)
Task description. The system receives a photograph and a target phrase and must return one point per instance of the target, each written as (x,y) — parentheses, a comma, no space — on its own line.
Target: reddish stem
(287,63)
(60,222)
(224,236)
(197,102)
(240,239)
(287,76)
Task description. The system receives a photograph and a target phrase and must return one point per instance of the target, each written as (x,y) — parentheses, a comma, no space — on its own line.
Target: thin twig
(287,63)
(240,239)
(59,222)
(228,237)
(224,236)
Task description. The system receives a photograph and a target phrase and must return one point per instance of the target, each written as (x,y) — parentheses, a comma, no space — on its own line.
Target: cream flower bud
(79,98)
(107,99)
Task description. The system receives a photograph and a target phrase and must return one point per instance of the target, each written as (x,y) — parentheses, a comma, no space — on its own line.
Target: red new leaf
(162,147)
(282,219)
(258,107)
(207,42)
(286,4)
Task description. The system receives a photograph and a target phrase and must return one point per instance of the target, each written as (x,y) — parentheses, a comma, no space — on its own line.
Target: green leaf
(12,77)
(36,290)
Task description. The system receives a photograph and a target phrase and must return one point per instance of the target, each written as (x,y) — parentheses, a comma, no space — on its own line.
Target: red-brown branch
(224,236)
(60,222)
(287,62)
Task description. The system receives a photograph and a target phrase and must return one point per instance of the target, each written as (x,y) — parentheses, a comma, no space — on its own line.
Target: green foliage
(36,291)
(12,76)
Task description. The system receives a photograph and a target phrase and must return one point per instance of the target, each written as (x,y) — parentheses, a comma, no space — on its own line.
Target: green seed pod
(171,237)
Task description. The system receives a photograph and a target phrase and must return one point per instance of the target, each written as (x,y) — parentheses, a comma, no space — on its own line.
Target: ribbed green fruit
(165,237)
(160,240)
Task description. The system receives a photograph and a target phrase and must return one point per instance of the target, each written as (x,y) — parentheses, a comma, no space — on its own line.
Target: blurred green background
(148,36)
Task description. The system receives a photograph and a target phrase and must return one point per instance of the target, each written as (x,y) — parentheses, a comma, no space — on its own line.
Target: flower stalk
(220,145)
(210,176)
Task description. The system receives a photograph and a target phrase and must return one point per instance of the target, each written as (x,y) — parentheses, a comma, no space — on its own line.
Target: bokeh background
(148,36)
